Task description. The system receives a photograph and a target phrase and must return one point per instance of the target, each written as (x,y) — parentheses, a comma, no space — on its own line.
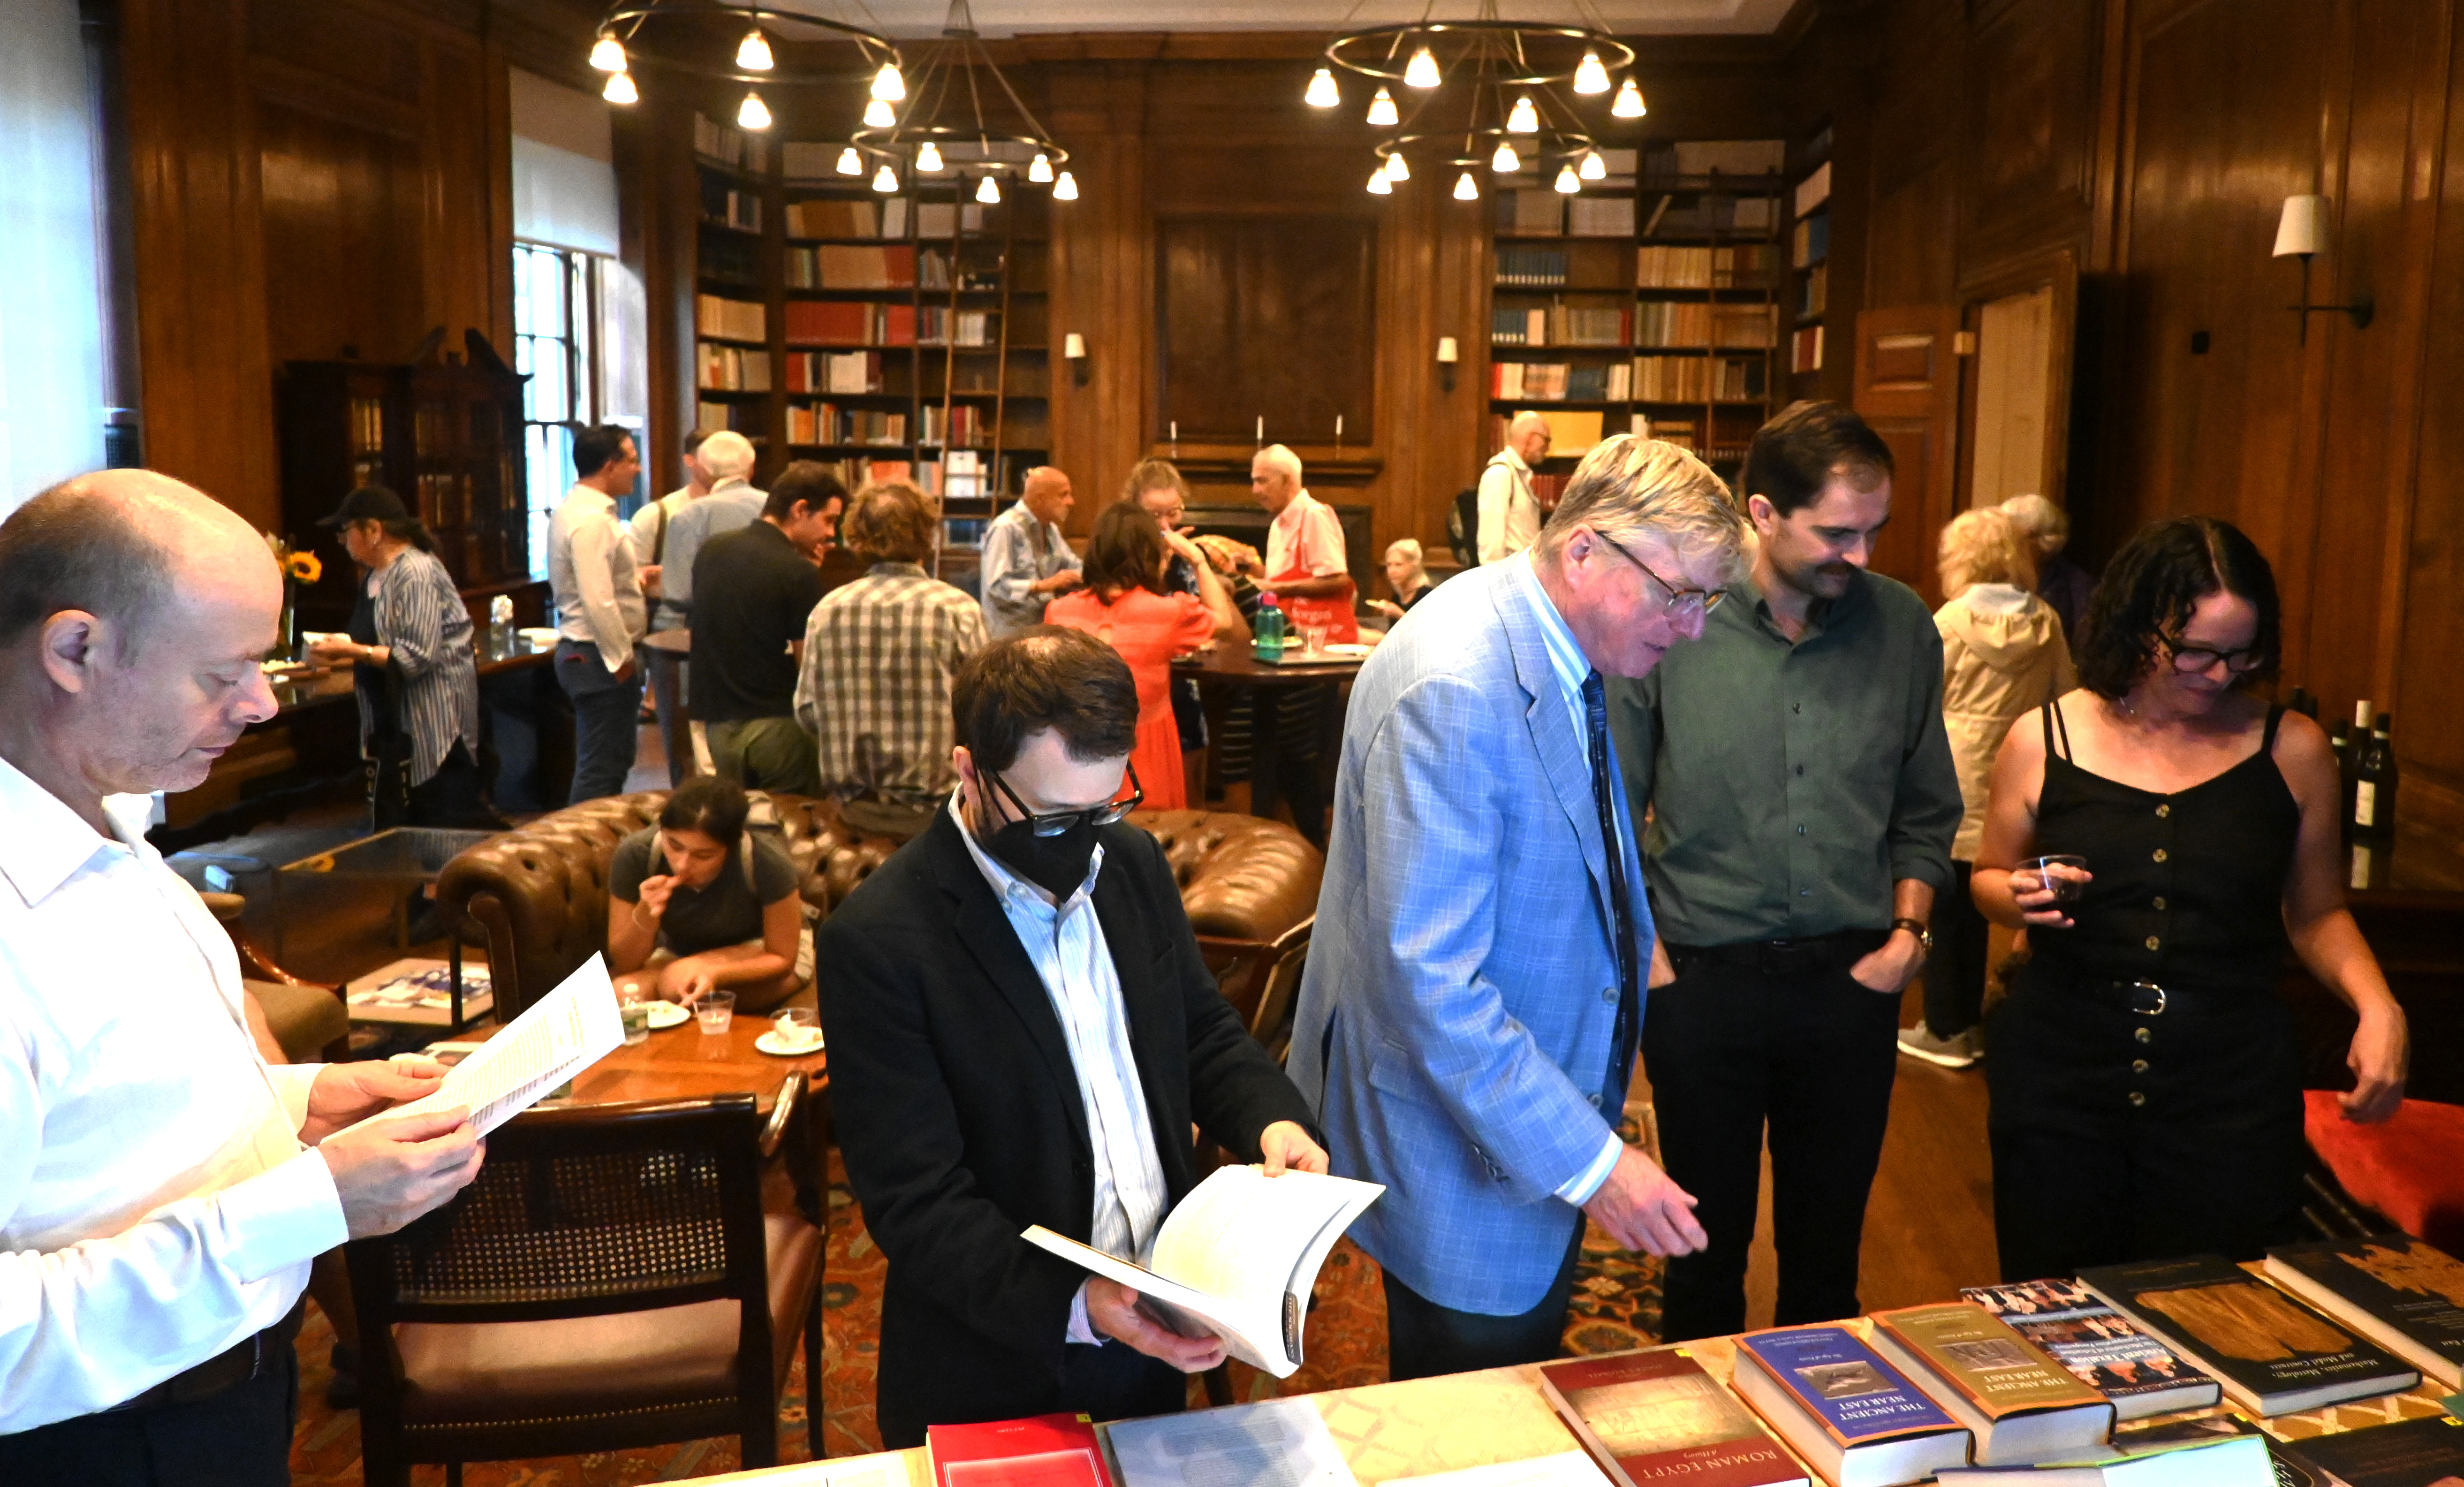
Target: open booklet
(1237,1259)
(562,1034)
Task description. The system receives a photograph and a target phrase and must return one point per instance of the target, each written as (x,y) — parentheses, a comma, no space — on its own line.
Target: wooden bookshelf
(1808,273)
(1648,299)
(897,334)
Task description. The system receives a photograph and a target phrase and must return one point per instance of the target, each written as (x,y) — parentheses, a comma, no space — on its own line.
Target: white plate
(538,634)
(667,1014)
(772,1042)
(1347,651)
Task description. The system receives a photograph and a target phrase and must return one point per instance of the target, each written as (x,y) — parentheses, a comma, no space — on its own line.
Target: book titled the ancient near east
(1236,1258)
(2427,1453)
(1044,1451)
(2100,1347)
(2402,1293)
(1657,1419)
(1850,1414)
(2272,1354)
(2021,1405)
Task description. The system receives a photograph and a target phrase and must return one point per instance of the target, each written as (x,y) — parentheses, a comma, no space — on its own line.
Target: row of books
(825,423)
(1561,382)
(1814,296)
(1814,189)
(1560,325)
(858,322)
(1809,243)
(731,319)
(1665,266)
(1572,432)
(722,368)
(833,371)
(853,266)
(1698,379)
(730,206)
(745,418)
(1675,323)
(1805,350)
(728,146)
(1521,266)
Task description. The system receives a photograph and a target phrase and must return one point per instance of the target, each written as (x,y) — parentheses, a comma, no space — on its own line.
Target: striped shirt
(423,621)
(875,689)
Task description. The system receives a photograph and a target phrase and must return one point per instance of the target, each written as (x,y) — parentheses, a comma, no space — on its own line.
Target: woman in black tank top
(2145,1081)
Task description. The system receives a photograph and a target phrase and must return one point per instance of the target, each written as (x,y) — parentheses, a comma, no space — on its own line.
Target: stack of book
(731,319)
(834,371)
(1561,382)
(828,218)
(961,424)
(849,323)
(826,423)
(2271,1354)
(1521,266)
(731,368)
(1663,265)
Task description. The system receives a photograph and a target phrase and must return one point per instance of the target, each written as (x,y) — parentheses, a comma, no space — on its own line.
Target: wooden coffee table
(683,1063)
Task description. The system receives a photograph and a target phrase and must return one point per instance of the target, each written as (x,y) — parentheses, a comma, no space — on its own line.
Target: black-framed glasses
(1054,823)
(2195,659)
(1681,602)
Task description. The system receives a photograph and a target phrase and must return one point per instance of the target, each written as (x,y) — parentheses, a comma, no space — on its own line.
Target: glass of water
(714,1011)
(2064,872)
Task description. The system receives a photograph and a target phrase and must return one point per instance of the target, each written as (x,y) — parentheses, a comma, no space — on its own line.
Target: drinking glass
(1313,639)
(714,1011)
(2059,871)
(635,1007)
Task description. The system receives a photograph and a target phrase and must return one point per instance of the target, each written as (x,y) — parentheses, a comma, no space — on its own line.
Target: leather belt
(249,1358)
(1798,956)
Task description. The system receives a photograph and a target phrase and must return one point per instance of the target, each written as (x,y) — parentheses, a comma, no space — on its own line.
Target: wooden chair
(1279,976)
(610,1279)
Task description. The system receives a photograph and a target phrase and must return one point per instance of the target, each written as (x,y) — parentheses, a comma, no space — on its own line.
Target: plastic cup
(797,1027)
(2048,871)
(636,1011)
(1313,639)
(714,1011)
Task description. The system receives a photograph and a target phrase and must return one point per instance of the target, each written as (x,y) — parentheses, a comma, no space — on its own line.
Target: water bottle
(1269,629)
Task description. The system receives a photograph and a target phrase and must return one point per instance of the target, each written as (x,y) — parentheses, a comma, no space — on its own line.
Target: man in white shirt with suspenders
(162,1188)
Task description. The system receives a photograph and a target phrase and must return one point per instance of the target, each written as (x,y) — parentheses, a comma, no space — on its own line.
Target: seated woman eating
(686,913)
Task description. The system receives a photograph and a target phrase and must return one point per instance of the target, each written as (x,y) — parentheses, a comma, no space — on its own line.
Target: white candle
(1338,429)
(1176,430)
(1262,428)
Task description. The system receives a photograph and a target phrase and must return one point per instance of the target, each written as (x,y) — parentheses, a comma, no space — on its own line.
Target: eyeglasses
(1681,602)
(1054,823)
(2195,659)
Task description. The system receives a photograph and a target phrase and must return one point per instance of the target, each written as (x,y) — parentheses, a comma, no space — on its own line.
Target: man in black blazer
(1022,1032)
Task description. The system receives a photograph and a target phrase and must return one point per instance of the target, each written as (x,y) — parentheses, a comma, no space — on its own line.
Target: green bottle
(1269,629)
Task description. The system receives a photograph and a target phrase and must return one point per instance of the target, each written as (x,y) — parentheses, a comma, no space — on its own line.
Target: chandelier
(1485,94)
(691,36)
(945,128)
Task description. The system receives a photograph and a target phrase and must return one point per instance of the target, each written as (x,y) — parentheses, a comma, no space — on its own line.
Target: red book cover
(1658,1417)
(1046,1450)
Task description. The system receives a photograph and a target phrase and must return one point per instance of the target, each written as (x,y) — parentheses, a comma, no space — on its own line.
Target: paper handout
(1237,1259)
(562,1034)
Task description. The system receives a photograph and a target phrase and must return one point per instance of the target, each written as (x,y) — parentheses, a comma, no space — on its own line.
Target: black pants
(1424,1339)
(1113,1381)
(1954,970)
(1749,1036)
(2209,1161)
(240,1437)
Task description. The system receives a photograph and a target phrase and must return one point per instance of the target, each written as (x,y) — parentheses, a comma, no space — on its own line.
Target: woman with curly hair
(2146,1097)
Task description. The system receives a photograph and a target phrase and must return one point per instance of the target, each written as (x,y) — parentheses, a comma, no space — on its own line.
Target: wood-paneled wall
(2154,142)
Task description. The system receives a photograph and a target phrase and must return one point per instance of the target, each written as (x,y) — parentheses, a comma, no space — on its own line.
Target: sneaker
(1956,1052)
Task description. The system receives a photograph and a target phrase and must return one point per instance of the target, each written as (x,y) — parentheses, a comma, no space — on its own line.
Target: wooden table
(684,1062)
(1223,672)
(1231,665)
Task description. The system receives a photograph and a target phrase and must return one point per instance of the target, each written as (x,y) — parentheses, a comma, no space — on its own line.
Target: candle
(1176,430)
(1338,429)
(1262,428)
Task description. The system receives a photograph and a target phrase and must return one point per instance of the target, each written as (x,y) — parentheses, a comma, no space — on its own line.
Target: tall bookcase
(1647,303)
(889,335)
(1808,273)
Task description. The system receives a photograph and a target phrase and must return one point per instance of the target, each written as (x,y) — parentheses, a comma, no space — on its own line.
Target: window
(559,298)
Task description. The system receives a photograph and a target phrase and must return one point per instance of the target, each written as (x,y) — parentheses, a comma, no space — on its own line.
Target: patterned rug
(1615,1307)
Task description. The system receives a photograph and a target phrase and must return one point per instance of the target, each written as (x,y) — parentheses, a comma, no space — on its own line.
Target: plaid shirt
(874,690)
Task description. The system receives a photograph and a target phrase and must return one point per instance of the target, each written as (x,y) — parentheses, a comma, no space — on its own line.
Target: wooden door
(1907,388)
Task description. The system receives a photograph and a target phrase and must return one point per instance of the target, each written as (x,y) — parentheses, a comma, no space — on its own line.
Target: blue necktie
(1595,713)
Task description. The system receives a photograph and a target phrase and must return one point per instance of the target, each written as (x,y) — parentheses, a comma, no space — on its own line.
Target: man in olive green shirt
(1803,804)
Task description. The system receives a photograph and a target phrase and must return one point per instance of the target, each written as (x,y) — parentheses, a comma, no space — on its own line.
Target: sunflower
(306,567)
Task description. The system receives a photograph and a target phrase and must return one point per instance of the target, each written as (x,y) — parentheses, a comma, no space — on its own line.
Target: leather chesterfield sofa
(538,894)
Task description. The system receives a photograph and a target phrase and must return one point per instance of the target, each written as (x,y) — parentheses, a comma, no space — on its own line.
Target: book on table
(1659,1416)
(2232,1460)
(2100,1347)
(2021,1405)
(1041,1451)
(2406,1296)
(1849,1414)
(2271,1354)
(1236,1258)
(2409,1454)
(419,992)
(1565,1469)
(1273,1443)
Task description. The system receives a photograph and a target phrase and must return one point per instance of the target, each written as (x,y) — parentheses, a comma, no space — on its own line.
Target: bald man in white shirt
(162,1189)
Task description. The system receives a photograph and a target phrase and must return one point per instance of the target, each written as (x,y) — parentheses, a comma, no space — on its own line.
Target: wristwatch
(1917,927)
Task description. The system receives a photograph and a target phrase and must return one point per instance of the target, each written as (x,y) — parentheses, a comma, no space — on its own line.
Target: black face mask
(1056,865)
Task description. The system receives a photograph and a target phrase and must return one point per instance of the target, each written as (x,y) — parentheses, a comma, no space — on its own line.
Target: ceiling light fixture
(1381,110)
(753,112)
(877,114)
(1590,76)
(1322,92)
(1567,183)
(890,84)
(1523,118)
(693,38)
(963,114)
(988,191)
(1064,188)
(1380,184)
(850,163)
(1423,70)
(620,88)
(885,180)
(754,53)
(1396,169)
(607,54)
(928,158)
(1629,101)
(1039,169)
(1505,161)
(1466,189)
(1592,167)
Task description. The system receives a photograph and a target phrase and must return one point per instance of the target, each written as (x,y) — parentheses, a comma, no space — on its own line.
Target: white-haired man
(162,1189)
(1305,566)
(1465,1050)
(732,504)
(1510,510)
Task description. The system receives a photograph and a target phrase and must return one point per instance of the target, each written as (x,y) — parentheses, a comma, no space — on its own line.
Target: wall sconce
(1448,358)
(2299,232)
(1073,350)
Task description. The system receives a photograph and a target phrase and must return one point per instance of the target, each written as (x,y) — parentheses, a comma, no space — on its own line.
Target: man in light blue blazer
(1468,1018)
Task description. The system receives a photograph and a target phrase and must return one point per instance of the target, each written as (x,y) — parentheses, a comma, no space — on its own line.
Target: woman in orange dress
(1126,605)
